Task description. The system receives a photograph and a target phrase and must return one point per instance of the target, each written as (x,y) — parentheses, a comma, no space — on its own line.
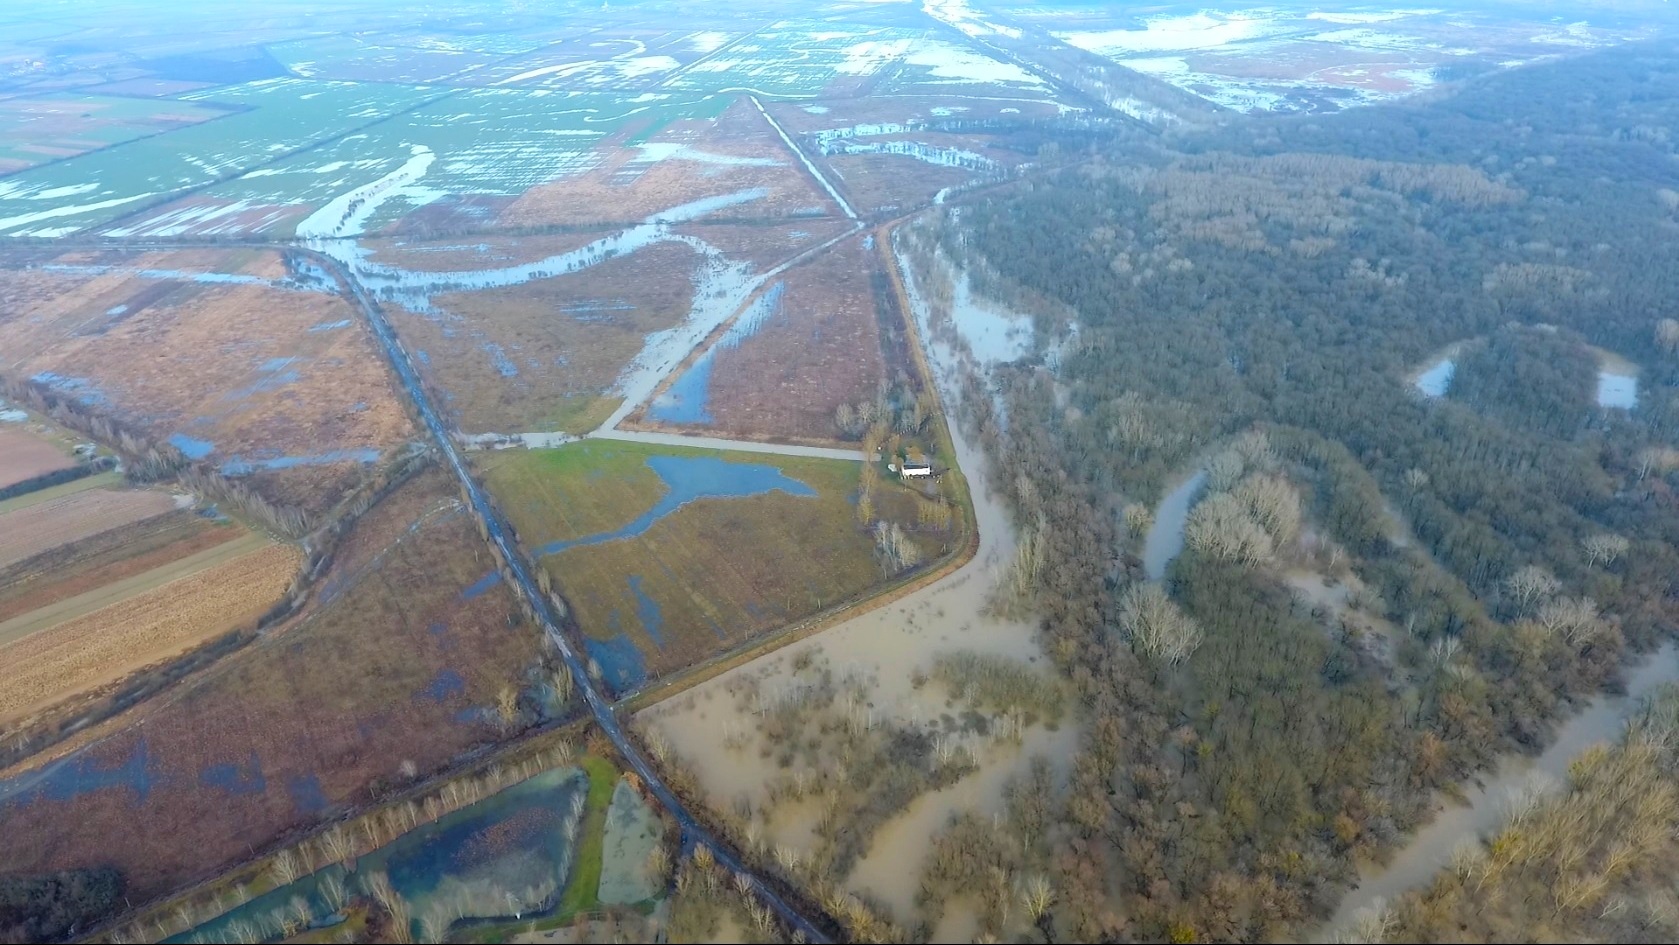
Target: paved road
(739,446)
(806,161)
(692,829)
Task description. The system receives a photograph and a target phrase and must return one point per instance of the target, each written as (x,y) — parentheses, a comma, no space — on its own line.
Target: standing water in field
(688,478)
(891,647)
(509,853)
(686,400)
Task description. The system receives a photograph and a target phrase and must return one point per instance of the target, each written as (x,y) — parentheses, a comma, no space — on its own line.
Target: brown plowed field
(397,661)
(819,350)
(30,531)
(24,457)
(254,370)
(107,644)
(622,190)
(79,567)
(567,339)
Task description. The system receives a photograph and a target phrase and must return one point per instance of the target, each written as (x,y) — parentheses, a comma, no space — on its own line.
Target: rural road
(692,830)
(716,443)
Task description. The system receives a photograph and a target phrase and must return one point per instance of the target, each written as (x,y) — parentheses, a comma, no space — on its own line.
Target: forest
(1255,302)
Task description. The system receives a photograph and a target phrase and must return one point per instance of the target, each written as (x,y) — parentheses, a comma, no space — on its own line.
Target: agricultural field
(296,399)
(278,117)
(669,555)
(408,653)
(45,664)
(77,570)
(737,152)
(810,343)
(42,526)
(515,343)
(1278,59)
(24,456)
(544,355)
(40,129)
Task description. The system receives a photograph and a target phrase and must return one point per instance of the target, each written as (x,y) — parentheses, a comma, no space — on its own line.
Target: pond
(510,853)
(688,478)
(1436,378)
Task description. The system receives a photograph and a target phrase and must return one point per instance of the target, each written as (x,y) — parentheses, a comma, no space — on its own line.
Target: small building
(916,465)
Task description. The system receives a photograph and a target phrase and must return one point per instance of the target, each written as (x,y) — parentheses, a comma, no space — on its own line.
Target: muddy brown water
(1488,805)
(890,644)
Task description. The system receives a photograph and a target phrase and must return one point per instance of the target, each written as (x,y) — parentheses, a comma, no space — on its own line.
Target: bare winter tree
(1667,335)
(1036,895)
(1138,519)
(1274,504)
(1224,470)
(1605,548)
(1221,528)
(1156,627)
(1575,618)
(1530,586)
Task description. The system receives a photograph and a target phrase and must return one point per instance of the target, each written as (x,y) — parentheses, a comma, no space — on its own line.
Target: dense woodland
(1277,284)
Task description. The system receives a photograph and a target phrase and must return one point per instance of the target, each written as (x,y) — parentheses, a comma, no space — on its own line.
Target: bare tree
(1605,547)
(1221,528)
(1224,470)
(1036,895)
(1138,519)
(898,552)
(1575,618)
(1530,586)
(507,707)
(285,867)
(1274,504)
(1156,627)
(1667,335)
(380,888)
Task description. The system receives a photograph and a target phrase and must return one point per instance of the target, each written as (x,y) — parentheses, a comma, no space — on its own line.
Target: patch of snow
(867,58)
(24,219)
(1348,18)
(1205,30)
(707,41)
(958,64)
(958,14)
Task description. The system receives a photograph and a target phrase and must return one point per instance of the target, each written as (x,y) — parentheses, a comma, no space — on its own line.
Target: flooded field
(505,856)
(890,652)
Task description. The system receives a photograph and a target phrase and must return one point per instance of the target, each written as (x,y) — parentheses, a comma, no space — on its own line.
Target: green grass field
(583,890)
(37,129)
(710,574)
